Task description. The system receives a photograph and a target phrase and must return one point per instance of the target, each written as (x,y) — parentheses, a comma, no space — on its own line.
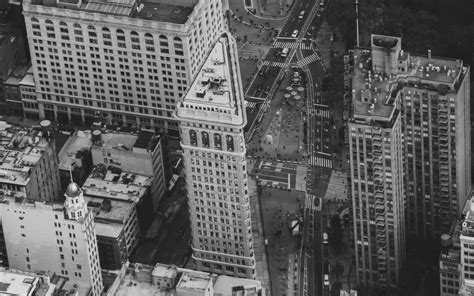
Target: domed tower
(75,204)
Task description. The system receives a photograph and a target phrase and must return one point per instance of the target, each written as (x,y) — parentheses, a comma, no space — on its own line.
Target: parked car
(295,34)
(325,238)
(301,14)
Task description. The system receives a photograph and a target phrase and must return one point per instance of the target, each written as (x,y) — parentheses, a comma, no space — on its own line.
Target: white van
(284,52)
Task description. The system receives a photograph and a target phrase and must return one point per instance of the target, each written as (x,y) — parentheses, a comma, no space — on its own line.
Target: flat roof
(381,89)
(214,80)
(130,285)
(67,155)
(104,183)
(108,229)
(122,141)
(378,90)
(16,284)
(118,213)
(216,93)
(224,284)
(194,281)
(166,13)
(157,10)
(164,271)
(20,150)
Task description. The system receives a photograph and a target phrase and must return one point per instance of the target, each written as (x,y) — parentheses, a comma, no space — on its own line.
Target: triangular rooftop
(216,93)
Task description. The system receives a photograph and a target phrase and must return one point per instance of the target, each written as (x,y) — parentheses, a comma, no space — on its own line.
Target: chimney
(429,55)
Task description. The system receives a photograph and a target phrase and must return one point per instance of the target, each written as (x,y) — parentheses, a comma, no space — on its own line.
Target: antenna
(70,173)
(357,21)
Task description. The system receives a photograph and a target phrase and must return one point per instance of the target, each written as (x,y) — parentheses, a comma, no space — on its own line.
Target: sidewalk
(258,236)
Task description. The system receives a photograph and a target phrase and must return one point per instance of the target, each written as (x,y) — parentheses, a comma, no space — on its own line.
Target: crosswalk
(320,112)
(319,161)
(308,60)
(293,45)
(250,105)
(275,64)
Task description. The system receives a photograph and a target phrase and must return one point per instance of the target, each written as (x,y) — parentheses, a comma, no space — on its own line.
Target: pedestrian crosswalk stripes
(320,112)
(275,64)
(322,162)
(250,105)
(292,45)
(308,60)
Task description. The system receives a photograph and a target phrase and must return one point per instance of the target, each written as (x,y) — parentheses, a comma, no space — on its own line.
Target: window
(193,137)
(205,139)
(217,141)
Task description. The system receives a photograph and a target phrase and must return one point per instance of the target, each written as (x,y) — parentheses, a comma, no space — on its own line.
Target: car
(326,279)
(266,242)
(295,34)
(301,15)
(325,238)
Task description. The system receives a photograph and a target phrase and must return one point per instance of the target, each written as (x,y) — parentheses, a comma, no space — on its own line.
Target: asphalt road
(258,87)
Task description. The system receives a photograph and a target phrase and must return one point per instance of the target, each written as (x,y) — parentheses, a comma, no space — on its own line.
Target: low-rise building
(16,282)
(450,261)
(135,154)
(11,86)
(75,157)
(467,252)
(11,52)
(113,184)
(116,228)
(28,95)
(168,280)
(28,162)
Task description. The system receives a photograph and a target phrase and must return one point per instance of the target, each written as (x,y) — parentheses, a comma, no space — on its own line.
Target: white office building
(212,120)
(126,61)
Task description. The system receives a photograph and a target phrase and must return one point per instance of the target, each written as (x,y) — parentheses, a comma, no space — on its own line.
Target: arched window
(205,139)
(77,26)
(34,20)
(149,43)
(120,35)
(163,41)
(135,40)
(106,35)
(91,27)
(217,141)
(229,143)
(193,137)
(177,39)
(62,24)
(48,22)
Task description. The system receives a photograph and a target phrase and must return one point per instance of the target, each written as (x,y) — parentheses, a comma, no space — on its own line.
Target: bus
(284,52)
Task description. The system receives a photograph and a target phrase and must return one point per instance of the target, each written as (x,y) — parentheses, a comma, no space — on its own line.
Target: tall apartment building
(28,162)
(63,242)
(212,119)
(437,141)
(376,161)
(128,62)
(430,98)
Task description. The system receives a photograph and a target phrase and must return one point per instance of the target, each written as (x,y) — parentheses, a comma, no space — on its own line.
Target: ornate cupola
(75,204)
